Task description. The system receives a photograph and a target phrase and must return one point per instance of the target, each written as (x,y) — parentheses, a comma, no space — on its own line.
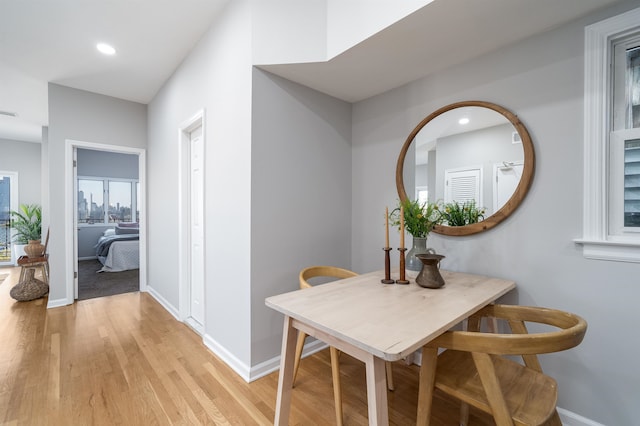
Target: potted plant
(27,226)
(461,214)
(419,220)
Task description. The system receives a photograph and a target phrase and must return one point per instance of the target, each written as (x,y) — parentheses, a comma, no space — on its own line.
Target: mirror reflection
(466,154)
(471,152)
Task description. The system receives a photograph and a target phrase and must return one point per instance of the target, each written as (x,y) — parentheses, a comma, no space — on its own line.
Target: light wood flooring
(124,360)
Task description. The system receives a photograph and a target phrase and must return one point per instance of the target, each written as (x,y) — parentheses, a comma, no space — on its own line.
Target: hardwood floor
(124,360)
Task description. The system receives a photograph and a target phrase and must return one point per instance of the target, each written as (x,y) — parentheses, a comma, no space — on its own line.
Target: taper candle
(386,227)
(401,227)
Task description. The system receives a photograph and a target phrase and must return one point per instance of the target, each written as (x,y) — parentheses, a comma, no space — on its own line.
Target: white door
(196,169)
(507,177)
(463,185)
(75,223)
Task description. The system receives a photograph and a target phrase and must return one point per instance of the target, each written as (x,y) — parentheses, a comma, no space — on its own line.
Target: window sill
(617,251)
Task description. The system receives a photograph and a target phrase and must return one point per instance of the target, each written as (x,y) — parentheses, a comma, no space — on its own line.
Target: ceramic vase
(34,249)
(419,246)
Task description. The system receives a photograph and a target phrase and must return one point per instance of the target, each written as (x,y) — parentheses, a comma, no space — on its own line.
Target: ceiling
(54,41)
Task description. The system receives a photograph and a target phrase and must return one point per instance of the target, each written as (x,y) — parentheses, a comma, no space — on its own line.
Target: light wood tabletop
(376,322)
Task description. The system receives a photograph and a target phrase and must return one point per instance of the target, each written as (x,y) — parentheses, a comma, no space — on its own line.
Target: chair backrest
(569,332)
(323,271)
(46,243)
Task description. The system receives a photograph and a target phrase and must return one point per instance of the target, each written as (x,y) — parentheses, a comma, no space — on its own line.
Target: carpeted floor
(92,284)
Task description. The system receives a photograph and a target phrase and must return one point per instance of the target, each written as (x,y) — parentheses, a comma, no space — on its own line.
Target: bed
(118,248)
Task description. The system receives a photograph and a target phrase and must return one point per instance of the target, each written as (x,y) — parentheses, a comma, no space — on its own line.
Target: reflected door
(506,180)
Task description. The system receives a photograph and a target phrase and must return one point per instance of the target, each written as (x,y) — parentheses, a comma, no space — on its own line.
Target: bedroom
(107,223)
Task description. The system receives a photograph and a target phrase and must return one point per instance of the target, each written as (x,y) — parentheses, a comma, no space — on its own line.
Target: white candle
(401,227)
(386,227)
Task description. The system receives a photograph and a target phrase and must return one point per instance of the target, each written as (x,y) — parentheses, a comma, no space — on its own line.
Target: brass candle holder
(402,279)
(387,267)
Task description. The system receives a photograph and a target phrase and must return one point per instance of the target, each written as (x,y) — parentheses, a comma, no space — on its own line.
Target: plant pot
(419,246)
(18,250)
(34,249)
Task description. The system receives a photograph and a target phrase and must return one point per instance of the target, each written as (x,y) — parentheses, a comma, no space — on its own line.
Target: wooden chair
(33,263)
(335,273)
(472,370)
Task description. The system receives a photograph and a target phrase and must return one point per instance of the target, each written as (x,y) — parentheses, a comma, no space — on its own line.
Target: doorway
(191,263)
(107,223)
(72,210)
(507,176)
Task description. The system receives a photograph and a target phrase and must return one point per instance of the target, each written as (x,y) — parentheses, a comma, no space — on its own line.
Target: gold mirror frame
(520,191)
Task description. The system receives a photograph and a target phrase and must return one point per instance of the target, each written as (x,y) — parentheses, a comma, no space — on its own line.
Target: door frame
(14,204)
(70,231)
(184,213)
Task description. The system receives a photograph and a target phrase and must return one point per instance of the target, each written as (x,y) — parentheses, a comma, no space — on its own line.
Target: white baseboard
(57,303)
(249,374)
(165,304)
(228,358)
(273,364)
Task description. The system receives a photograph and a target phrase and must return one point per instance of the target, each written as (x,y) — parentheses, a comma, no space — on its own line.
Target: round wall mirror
(470,151)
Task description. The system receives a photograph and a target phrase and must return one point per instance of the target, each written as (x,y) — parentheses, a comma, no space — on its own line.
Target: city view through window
(5,223)
(119,197)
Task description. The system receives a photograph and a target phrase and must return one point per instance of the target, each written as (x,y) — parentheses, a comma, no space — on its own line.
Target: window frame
(597,242)
(135,184)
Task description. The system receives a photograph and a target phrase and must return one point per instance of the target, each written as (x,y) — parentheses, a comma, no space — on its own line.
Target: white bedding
(122,256)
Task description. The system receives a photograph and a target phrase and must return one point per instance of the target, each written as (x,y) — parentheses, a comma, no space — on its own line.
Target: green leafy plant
(460,214)
(419,219)
(27,222)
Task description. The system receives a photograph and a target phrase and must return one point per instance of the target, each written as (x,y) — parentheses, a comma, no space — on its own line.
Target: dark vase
(429,276)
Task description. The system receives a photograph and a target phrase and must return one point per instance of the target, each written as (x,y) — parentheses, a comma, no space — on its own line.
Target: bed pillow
(126,228)
(108,232)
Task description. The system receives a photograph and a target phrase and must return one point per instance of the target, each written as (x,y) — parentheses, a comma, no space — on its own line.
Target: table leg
(285,377)
(426,385)
(377,391)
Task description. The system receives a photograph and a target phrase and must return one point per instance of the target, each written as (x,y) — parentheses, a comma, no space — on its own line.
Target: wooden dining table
(374,323)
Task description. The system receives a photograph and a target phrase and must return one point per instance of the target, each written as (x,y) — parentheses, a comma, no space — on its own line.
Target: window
(612,139)
(102,201)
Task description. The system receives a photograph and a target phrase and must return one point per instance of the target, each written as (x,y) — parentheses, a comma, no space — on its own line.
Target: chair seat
(530,396)
(29,261)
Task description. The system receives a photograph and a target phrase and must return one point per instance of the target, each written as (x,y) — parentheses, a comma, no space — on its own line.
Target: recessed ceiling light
(463,121)
(106,49)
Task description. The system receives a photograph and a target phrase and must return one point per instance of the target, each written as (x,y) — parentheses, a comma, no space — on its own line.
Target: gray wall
(107,164)
(216,78)
(541,80)
(24,158)
(87,117)
(300,195)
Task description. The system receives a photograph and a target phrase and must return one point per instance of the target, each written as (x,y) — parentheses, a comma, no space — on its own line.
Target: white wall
(24,158)
(291,31)
(300,195)
(540,80)
(88,117)
(215,77)
(350,22)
